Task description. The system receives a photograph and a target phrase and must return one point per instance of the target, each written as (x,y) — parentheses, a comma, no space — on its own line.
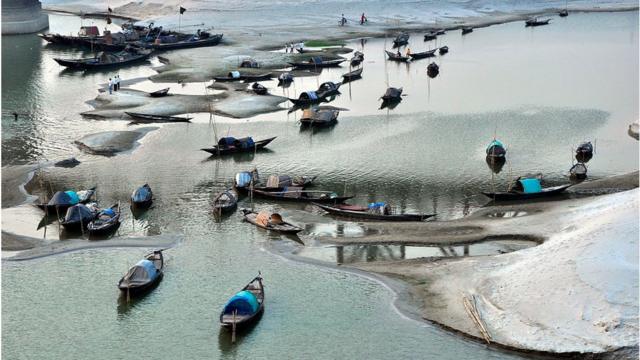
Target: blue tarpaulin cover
(244,301)
(376,205)
(245,143)
(108,211)
(141,194)
(243,179)
(316,60)
(227,141)
(311,95)
(531,185)
(74,197)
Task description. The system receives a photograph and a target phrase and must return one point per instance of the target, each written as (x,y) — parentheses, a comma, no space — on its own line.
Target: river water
(541,91)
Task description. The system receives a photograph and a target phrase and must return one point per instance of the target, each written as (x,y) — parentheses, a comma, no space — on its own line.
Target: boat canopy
(141,194)
(245,302)
(227,141)
(64,198)
(79,212)
(265,218)
(141,273)
(243,179)
(109,212)
(245,143)
(309,95)
(530,186)
(497,143)
(234,74)
(277,181)
(381,208)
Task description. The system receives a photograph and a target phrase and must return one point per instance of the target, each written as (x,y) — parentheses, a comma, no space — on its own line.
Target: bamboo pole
(233,329)
(473,313)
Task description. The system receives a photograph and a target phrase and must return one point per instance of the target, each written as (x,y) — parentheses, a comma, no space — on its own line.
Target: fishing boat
(423,55)
(526,189)
(396,56)
(466,30)
(156,118)
(106,222)
(578,171)
(103,59)
(246,179)
(536,22)
(159,93)
(433,70)
(259,89)
(174,41)
(439,31)
(245,307)
(270,221)
(376,211)
(249,63)
(317,62)
(238,76)
(297,194)
(400,40)
(352,75)
(584,152)
(319,117)
(563,13)
(230,145)
(324,91)
(78,217)
(496,149)
(142,197)
(443,50)
(285,79)
(392,94)
(432,35)
(143,276)
(225,201)
(357,58)
(495,163)
(63,200)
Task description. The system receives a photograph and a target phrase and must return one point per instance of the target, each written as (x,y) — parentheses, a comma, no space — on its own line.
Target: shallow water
(543,89)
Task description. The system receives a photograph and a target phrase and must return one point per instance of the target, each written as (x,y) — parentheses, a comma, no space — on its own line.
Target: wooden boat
(159,93)
(367,213)
(106,222)
(466,30)
(249,63)
(317,62)
(225,201)
(142,197)
(395,57)
(238,76)
(423,55)
(231,145)
(259,89)
(440,31)
(432,35)
(357,58)
(585,149)
(270,221)
(563,13)
(536,22)
(433,70)
(352,75)
(402,39)
(78,217)
(325,90)
(392,94)
(143,276)
(443,50)
(103,60)
(496,149)
(526,189)
(319,118)
(297,194)
(495,163)
(184,41)
(243,181)
(61,201)
(156,118)
(245,307)
(578,171)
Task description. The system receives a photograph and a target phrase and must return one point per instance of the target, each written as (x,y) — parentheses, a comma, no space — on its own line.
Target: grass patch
(323,43)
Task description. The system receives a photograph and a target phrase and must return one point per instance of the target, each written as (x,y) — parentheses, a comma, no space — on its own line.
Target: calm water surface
(541,90)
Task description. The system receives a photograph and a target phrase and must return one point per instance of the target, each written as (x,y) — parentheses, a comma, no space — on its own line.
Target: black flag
(182,10)
(109,9)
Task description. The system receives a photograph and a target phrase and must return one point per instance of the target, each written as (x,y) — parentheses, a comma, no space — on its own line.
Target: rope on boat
(474,314)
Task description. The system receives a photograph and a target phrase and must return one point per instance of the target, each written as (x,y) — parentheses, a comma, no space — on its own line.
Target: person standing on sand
(118,82)
(110,86)
(363,19)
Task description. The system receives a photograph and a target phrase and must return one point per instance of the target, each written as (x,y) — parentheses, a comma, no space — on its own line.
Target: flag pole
(180,19)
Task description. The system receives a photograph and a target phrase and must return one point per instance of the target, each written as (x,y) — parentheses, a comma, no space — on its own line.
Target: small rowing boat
(270,221)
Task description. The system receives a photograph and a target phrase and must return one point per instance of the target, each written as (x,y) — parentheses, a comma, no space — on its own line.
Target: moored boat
(142,197)
(238,76)
(270,221)
(230,145)
(63,200)
(536,22)
(352,75)
(401,39)
(374,211)
(102,60)
(285,79)
(563,13)
(357,58)
(297,194)
(106,222)
(259,89)
(245,307)
(578,171)
(526,189)
(78,217)
(584,152)
(225,201)
(159,93)
(143,276)
(443,50)
(466,30)
(432,35)
(423,55)
(496,149)
(397,56)
(174,41)
(392,94)
(317,62)
(433,70)
(319,117)
(156,118)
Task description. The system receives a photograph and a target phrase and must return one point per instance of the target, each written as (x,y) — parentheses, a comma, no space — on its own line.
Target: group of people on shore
(363,20)
(114,84)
